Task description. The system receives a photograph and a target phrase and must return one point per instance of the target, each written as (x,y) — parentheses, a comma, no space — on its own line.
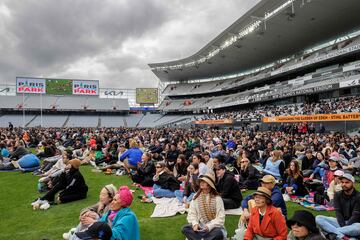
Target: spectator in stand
(228,188)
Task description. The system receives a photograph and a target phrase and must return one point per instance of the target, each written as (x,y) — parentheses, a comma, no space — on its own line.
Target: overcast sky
(107,40)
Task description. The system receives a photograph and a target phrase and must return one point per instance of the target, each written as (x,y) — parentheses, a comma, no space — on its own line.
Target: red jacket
(272,226)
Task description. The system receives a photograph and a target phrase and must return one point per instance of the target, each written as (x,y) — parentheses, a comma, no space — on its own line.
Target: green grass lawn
(19,221)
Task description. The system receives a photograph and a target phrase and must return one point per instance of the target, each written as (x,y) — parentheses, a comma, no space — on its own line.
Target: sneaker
(67,235)
(36,204)
(45,205)
(331,236)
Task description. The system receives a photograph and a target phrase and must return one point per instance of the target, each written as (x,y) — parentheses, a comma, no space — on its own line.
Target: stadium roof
(271,30)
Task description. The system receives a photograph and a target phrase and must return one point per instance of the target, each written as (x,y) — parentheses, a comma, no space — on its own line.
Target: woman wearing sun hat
(266,221)
(206,214)
(303,227)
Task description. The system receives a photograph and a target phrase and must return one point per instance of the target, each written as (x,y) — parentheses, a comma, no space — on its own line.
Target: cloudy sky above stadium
(109,40)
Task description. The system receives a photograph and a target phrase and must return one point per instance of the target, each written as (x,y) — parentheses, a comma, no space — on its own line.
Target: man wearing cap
(228,188)
(347,207)
(277,199)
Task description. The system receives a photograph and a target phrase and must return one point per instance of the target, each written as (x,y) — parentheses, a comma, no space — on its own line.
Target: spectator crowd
(208,171)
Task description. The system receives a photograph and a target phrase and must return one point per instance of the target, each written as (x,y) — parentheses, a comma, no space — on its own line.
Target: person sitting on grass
(303,227)
(266,221)
(277,199)
(95,211)
(122,220)
(145,172)
(165,184)
(191,185)
(71,185)
(206,216)
(228,188)
(347,207)
(335,186)
(294,184)
(131,157)
(248,175)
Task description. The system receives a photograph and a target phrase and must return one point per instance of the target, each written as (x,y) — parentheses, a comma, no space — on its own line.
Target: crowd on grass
(328,106)
(206,170)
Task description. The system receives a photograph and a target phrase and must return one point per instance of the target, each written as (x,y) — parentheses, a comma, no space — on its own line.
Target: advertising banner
(30,85)
(85,87)
(314,118)
(8,90)
(349,83)
(214,122)
(111,93)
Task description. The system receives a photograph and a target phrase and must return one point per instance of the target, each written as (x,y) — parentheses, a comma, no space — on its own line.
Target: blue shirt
(133,155)
(5,152)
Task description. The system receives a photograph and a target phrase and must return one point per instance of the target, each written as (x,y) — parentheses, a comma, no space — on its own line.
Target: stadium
(283,79)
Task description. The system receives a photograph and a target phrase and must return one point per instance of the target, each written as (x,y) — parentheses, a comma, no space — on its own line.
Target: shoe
(45,205)
(66,236)
(36,204)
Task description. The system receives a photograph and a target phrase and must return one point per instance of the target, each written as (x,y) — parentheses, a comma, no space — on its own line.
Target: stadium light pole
(23,108)
(41,119)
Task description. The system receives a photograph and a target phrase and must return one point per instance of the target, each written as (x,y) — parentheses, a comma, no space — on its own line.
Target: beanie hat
(75,163)
(126,196)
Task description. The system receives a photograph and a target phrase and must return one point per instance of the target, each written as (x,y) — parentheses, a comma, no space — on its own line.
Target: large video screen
(147,95)
(59,86)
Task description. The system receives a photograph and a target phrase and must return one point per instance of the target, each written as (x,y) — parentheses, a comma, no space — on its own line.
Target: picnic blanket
(308,202)
(167,207)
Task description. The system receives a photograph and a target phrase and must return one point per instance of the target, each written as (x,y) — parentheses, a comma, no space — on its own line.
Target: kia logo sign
(113,93)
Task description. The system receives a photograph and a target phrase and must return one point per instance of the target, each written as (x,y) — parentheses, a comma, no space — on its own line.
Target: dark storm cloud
(107,40)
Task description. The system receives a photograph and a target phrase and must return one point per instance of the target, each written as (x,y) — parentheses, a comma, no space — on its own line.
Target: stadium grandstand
(265,58)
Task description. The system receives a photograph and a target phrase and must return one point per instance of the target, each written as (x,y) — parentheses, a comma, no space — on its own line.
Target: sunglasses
(158,167)
(243,161)
(297,224)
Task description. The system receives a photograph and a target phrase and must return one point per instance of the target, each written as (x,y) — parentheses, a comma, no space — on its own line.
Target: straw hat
(209,179)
